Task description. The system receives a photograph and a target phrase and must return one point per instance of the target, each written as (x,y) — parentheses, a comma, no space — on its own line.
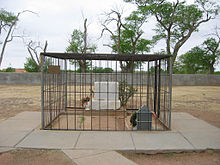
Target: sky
(56,19)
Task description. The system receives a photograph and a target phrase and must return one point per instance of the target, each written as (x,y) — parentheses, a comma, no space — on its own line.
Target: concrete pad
(5,149)
(10,138)
(76,154)
(192,125)
(19,125)
(160,141)
(182,116)
(50,140)
(201,140)
(27,116)
(102,158)
(105,140)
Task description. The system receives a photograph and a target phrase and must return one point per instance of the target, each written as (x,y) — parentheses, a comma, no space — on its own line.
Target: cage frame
(112,57)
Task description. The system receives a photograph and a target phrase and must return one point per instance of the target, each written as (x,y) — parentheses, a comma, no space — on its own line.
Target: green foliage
(200,59)
(131,41)
(76,45)
(191,61)
(178,68)
(176,21)
(79,70)
(76,42)
(81,121)
(7,18)
(102,70)
(217,73)
(30,65)
(125,92)
(10,69)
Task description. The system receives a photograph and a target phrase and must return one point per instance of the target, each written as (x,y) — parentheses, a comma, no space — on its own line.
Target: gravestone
(144,118)
(106,96)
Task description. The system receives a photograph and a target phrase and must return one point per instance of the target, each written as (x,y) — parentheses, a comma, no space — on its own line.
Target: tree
(127,36)
(8,23)
(79,44)
(131,40)
(177,21)
(33,48)
(114,17)
(191,62)
(211,53)
(201,59)
(31,65)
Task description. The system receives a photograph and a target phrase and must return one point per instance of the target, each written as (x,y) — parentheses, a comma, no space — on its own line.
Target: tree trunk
(211,69)
(4,43)
(130,67)
(82,64)
(40,63)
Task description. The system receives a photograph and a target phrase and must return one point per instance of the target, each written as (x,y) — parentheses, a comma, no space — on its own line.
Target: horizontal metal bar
(113,57)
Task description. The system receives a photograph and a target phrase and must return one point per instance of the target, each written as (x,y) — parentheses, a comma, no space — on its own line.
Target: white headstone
(106,96)
(106,91)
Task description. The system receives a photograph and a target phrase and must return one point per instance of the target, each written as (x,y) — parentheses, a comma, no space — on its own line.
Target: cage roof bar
(100,56)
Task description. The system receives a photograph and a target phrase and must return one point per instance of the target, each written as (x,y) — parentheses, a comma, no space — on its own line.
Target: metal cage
(106,92)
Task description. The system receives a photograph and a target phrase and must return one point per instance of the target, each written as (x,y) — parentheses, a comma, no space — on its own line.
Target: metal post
(65,67)
(148,83)
(42,90)
(170,89)
(159,86)
(155,87)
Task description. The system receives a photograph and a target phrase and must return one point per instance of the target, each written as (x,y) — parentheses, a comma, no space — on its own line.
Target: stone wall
(178,79)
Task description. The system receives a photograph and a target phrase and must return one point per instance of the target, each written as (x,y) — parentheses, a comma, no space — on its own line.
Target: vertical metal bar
(75,95)
(91,92)
(170,89)
(159,86)
(107,95)
(148,82)
(65,91)
(155,87)
(42,90)
(118,90)
(65,67)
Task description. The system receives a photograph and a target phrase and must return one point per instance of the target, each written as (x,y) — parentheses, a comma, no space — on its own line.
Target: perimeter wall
(178,79)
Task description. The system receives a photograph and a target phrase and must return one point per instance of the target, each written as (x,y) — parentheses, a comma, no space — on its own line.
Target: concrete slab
(98,158)
(19,125)
(160,141)
(201,140)
(189,133)
(10,138)
(5,149)
(192,125)
(50,140)
(182,116)
(76,154)
(105,140)
(27,116)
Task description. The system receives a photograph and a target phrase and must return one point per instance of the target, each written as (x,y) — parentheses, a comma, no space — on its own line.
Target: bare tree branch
(10,33)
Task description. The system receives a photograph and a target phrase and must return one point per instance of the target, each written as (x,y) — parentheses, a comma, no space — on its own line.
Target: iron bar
(42,91)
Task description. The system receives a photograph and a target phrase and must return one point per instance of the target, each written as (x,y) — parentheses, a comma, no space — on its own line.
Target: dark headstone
(144,118)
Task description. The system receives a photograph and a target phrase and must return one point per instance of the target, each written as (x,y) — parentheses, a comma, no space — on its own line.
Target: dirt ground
(204,158)
(200,101)
(34,157)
